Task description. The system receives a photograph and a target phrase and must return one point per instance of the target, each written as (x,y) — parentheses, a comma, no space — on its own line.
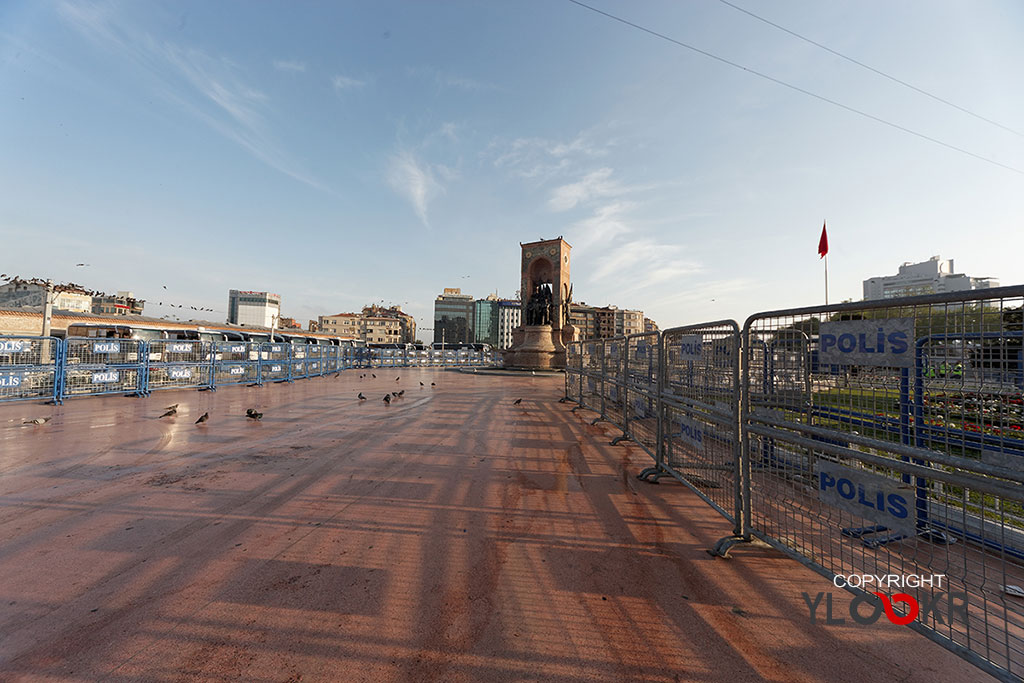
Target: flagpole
(826,279)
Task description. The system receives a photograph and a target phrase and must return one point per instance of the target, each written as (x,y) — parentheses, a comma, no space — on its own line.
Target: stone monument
(546,294)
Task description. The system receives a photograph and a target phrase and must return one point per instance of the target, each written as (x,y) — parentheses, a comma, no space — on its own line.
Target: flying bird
(361,397)
(38,421)
(422,384)
(170,412)
(517,401)
(174,407)
(373,375)
(387,398)
(401,393)
(79,265)
(433,384)
(252,414)
(203,418)
(397,378)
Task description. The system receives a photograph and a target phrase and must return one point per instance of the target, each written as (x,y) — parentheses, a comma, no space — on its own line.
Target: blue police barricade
(314,360)
(179,364)
(275,362)
(236,362)
(30,368)
(298,363)
(94,366)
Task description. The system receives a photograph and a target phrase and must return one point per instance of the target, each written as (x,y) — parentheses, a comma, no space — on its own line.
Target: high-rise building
(453,317)
(510,313)
(485,320)
(933,276)
(253,308)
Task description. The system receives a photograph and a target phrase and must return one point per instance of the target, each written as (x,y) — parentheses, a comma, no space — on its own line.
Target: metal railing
(876,438)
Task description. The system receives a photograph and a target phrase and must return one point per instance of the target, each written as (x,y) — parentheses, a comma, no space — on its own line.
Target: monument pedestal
(538,347)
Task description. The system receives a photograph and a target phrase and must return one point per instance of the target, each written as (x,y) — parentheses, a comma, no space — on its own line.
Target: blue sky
(347,153)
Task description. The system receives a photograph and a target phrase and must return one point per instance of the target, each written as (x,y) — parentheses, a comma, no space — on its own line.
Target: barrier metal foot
(726,544)
(646,472)
(575,408)
(621,437)
(596,420)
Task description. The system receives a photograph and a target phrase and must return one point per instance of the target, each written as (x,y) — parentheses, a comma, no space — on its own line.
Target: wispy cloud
(542,160)
(289,65)
(600,229)
(345,82)
(449,80)
(204,86)
(595,185)
(414,180)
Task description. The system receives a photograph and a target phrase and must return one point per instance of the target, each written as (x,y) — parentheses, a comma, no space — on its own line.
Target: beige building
(375,325)
(595,322)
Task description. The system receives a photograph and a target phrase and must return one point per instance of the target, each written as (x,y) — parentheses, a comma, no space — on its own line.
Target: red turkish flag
(823,242)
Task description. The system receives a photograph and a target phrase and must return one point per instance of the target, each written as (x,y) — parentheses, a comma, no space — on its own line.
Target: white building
(17,293)
(253,308)
(510,314)
(933,276)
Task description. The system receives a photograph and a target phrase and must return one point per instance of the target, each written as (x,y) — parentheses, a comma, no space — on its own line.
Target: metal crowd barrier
(34,368)
(94,366)
(29,368)
(878,437)
(178,364)
(275,362)
(236,362)
(887,437)
(699,411)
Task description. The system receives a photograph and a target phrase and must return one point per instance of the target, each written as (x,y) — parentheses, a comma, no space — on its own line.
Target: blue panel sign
(106,347)
(691,432)
(236,370)
(180,373)
(237,348)
(179,347)
(275,368)
(106,377)
(879,343)
(640,406)
(691,346)
(884,501)
(276,348)
(641,350)
(13,345)
(10,380)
